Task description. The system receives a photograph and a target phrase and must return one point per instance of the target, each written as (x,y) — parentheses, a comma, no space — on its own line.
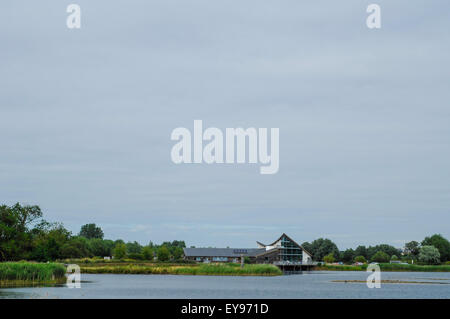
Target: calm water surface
(308,285)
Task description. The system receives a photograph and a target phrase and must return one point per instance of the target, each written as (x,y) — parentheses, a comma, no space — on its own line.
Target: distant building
(283,250)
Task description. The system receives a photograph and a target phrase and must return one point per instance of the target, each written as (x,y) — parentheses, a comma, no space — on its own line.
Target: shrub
(329,258)
(135,256)
(147,253)
(120,251)
(360,259)
(163,253)
(380,257)
(429,255)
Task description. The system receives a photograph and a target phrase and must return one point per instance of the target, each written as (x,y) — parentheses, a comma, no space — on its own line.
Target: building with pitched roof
(284,250)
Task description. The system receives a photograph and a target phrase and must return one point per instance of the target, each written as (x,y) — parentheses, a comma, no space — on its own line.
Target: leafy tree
(441,243)
(394,258)
(15,233)
(360,259)
(177,253)
(135,256)
(134,247)
(321,247)
(429,255)
(175,243)
(91,231)
(361,251)
(163,253)
(380,257)
(120,251)
(387,249)
(100,247)
(48,242)
(329,258)
(412,248)
(147,253)
(76,247)
(348,256)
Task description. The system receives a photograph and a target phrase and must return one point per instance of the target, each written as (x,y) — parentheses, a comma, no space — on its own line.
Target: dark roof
(222,252)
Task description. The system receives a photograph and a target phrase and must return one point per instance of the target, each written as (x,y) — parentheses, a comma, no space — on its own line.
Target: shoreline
(183,269)
(385,267)
(31,274)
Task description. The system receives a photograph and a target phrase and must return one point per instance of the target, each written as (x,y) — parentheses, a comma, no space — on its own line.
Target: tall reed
(31,272)
(198,269)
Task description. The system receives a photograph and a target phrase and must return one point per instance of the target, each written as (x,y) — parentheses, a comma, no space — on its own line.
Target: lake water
(307,285)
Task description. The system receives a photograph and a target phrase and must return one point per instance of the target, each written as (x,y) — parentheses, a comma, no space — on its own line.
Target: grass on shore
(26,273)
(387,267)
(197,269)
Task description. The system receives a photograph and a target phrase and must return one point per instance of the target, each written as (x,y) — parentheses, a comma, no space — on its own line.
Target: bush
(163,253)
(147,253)
(329,258)
(360,259)
(120,251)
(429,255)
(380,257)
(135,256)
(441,243)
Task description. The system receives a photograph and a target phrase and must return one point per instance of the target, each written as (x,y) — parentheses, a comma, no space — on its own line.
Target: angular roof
(222,252)
(261,244)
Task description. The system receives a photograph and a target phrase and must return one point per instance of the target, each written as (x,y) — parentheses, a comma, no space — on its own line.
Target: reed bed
(25,273)
(199,269)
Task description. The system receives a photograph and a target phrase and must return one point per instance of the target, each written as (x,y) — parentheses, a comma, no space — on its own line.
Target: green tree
(177,253)
(48,242)
(360,259)
(76,247)
(15,232)
(321,247)
(412,248)
(361,251)
(441,243)
(387,249)
(147,253)
(99,247)
(163,253)
(329,258)
(394,258)
(120,251)
(348,256)
(134,247)
(380,257)
(91,231)
(429,255)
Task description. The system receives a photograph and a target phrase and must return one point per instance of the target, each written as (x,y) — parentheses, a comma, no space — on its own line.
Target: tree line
(432,250)
(26,235)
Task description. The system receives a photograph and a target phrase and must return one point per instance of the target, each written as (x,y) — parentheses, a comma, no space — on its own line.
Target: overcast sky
(364,118)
